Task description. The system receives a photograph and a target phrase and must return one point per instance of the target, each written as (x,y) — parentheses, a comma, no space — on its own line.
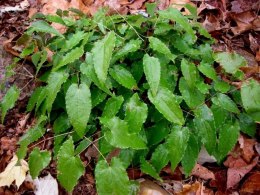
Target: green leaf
(123,77)
(27,51)
(55,81)
(97,97)
(228,136)
(126,156)
(157,45)
(112,106)
(33,99)
(166,103)
(42,26)
(111,179)
(247,124)
(160,157)
(135,113)
(207,70)
(69,166)
(132,46)
(157,133)
(175,15)
(38,160)
(189,72)
(191,155)
(207,134)
(70,57)
(230,61)
(119,135)
(250,94)
(54,18)
(78,105)
(225,102)
(36,58)
(32,135)
(60,126)
(102,53)
(152,71)
(9,100)
(88,70)
(203,122)
(221,86)
(192,96)
(151,8)
(170,76)
(176,144)
(203,87)
(83,145)
(221,115)
(44,57)
(73,40)
(41,103)
(147,168)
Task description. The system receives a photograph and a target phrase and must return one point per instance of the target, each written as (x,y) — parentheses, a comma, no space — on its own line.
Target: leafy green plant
(146,85)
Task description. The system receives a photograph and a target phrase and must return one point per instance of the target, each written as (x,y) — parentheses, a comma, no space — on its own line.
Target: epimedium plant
(144,85)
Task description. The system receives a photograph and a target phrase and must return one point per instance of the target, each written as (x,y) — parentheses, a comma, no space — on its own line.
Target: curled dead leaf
(235,174)
(245,21)
(251,185)
(247,146)
(148,187)
(14,172)
(202,172)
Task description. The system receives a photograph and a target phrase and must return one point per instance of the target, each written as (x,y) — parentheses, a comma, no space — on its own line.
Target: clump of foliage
(145,85)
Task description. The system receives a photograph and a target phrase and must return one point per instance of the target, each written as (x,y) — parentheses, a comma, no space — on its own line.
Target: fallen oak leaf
(251,185)
(14,172)
(247,146)
(232,162)
(202,172)
(235,174)
(137,4)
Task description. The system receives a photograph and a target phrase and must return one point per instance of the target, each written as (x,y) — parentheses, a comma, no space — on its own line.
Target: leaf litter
(235,25)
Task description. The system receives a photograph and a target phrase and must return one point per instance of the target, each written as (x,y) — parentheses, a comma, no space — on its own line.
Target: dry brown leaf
(250,58)
(251,185)
(239,6)
(202,172)
(254,44)
(220,181)
(245,21)
(163,4)
(247,146)
(179,4)
(232,162)
(257,56)
(234,175)
(211,23)
(148,187)
(195,189)
(14,172)
(115,7)
(137,4)
(8,143)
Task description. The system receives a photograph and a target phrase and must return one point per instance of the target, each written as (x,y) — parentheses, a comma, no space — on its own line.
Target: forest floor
(235,24)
